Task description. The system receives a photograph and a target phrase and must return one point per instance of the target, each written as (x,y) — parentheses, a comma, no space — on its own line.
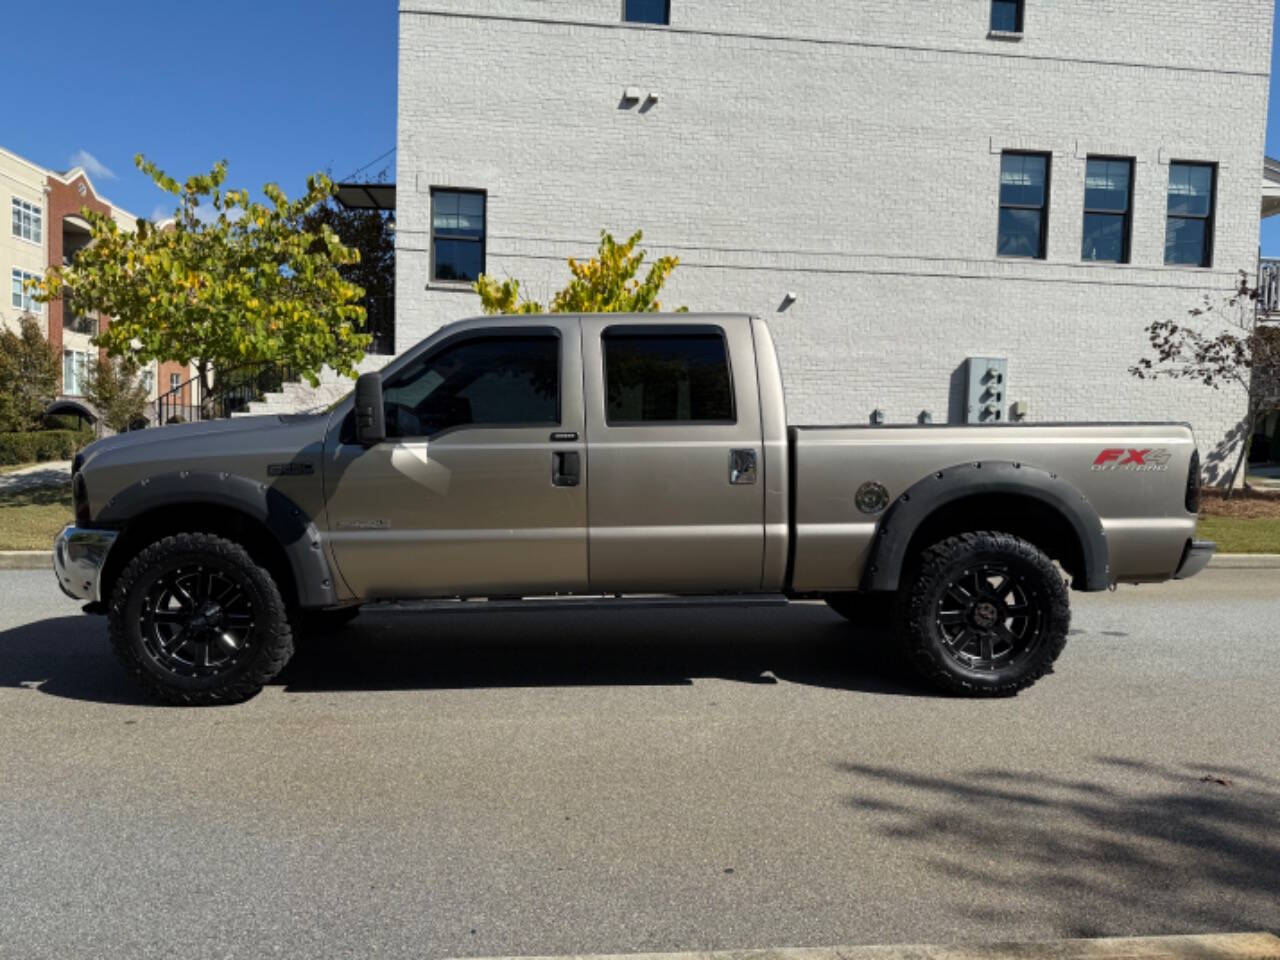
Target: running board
(582,602)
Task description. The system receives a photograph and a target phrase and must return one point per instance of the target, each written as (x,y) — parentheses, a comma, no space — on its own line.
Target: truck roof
(665,317)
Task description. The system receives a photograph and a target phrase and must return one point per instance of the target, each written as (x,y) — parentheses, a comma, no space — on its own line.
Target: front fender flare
(283,519)
(921,500)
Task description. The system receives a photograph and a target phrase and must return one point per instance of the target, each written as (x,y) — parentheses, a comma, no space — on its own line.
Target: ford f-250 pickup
(605,455)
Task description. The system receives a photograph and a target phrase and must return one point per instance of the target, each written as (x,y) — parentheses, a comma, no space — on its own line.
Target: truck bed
(1133,476)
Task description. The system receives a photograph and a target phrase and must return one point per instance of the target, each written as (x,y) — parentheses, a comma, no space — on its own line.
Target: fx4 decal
(1118,458)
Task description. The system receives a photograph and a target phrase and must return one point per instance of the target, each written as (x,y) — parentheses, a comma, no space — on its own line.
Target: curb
(1245,561)
(1214,946)
(26,560)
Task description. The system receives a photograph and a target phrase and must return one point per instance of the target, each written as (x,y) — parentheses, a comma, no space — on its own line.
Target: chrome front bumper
(78,558)
(1195,558)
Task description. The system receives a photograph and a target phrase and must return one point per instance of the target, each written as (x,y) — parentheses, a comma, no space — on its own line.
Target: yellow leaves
(606,283)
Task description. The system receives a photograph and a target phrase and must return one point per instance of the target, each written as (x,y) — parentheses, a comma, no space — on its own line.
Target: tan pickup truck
(607,455)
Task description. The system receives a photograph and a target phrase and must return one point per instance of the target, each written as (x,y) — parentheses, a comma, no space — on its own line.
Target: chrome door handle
(742,466)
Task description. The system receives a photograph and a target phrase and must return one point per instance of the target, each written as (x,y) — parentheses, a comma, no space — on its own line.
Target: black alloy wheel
(197,621)
(989,616)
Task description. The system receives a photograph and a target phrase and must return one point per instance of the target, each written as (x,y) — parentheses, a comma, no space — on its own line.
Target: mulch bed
(1251,504)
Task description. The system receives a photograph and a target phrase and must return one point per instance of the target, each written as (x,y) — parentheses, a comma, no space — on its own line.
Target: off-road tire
(268,639)
(925,614)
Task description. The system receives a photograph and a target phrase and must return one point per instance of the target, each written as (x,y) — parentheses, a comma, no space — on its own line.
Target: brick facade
(65,200)
(848,154)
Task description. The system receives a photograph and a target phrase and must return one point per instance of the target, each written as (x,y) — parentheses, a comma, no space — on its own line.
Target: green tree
(28,376)
(604,284)
(372,233)
(247,283)
(117,391)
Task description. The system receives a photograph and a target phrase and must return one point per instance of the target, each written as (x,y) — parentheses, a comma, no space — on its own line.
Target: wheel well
(1026,517)
(215,519)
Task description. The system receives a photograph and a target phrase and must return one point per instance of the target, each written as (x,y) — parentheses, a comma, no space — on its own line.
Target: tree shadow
(393,650)
(1178,849)
(35,493)
(1219,462)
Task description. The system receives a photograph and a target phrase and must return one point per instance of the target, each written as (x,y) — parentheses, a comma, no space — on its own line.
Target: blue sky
(278,88)
(1271,226)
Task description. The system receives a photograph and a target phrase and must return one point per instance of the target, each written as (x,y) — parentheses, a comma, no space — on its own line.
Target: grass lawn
(30,519)
(1247,523)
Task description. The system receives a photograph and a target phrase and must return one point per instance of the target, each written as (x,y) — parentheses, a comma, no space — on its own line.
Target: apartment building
(898,187)
(47,227)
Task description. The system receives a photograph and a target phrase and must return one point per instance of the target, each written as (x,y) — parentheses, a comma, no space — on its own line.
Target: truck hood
(211,435)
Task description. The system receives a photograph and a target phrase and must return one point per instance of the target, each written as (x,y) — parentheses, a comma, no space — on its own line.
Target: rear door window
(675,374)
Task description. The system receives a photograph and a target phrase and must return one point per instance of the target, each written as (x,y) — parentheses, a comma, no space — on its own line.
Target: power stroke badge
(1154,460)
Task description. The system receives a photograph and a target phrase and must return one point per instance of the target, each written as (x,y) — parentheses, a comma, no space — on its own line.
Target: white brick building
(849,154)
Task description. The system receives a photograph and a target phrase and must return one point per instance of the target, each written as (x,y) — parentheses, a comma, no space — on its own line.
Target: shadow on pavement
(69,656)
(1182,849)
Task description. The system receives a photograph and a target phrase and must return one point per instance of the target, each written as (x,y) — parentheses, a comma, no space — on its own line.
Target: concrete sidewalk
(1226,946)
(51,473)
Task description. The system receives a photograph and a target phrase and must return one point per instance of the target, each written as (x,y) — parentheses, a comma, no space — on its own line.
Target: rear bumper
(79,555)
(1195,557)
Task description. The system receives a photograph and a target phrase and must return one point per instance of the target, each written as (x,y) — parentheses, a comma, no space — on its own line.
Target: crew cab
(601,456)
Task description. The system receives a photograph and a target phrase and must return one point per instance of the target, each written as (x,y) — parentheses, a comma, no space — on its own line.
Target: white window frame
(24,301)
(33,214)
(175,381)
(79,371)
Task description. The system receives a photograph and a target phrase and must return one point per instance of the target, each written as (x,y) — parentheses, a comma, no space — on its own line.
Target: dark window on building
(1006,16)
(457,234)
(495,381)
(1024,195)
(646,11)
(667,375)
(1108,198)
(1188,237)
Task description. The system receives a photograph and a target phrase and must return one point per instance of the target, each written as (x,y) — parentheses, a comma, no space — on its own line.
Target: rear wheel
(983,614)
(196,621)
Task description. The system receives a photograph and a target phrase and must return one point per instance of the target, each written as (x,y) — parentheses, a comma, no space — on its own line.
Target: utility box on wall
(986,399)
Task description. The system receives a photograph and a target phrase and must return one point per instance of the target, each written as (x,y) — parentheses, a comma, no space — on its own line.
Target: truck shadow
(1173,848)
(392,650)
(582,647)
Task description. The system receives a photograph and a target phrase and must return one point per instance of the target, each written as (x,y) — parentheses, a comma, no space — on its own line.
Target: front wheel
(197,622)
(983,614)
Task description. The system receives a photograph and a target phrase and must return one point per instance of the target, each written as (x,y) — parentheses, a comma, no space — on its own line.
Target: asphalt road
(481,783)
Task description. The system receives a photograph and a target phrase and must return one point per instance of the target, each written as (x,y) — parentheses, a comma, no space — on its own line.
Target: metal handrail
(248,384)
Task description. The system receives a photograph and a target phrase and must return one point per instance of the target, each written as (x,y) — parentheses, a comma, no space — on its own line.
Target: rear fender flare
(921,500)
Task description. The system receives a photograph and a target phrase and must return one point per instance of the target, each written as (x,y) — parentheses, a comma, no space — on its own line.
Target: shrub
(38,445)
(29,370)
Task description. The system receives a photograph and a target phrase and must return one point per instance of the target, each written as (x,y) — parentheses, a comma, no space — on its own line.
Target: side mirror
(371,424)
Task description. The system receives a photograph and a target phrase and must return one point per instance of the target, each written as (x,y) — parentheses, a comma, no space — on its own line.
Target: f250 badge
(1137,461)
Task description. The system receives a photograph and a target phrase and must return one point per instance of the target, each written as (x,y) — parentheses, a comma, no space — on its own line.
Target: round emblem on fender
(871,497)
